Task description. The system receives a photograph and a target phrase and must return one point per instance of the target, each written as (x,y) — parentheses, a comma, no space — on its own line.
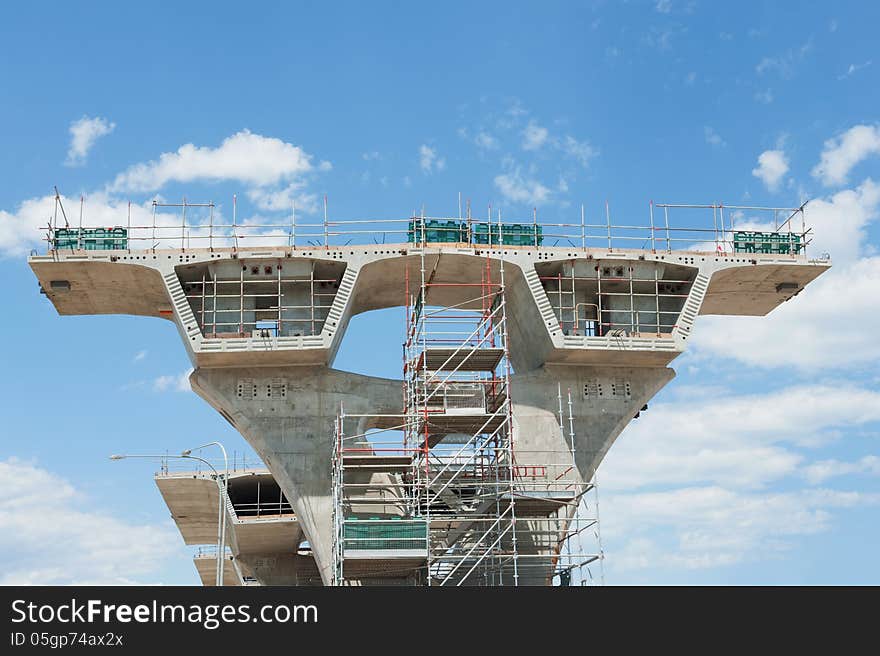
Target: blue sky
(757,464)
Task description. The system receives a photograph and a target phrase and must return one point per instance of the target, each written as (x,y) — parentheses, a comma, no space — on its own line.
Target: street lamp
(221,493)
(224,494)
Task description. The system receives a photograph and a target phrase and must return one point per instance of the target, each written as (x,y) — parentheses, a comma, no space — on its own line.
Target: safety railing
(272,306)
(664,298)
(208,551)
(664,230)
(171,465)
(457,396)
(266,509)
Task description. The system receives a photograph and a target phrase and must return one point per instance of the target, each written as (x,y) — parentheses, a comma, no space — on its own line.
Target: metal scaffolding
(439,495)
(592,298)
(271,298)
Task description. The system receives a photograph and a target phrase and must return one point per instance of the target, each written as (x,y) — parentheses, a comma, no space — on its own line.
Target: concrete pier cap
(262,327)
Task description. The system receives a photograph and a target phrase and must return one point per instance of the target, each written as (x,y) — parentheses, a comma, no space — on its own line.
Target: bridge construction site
(527,348)
(453,501)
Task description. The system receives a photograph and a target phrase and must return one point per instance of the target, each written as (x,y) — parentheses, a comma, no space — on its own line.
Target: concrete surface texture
(277,385)
(263,534)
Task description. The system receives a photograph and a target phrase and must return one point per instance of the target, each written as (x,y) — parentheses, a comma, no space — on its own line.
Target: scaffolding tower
(438,495)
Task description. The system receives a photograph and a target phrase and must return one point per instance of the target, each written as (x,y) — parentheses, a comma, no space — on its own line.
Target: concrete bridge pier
(287,415)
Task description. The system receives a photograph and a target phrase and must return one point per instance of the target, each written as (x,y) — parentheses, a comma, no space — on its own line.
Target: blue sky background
(756,465)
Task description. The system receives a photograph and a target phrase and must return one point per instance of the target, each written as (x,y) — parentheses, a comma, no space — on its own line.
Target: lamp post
(224,495)
(221,494)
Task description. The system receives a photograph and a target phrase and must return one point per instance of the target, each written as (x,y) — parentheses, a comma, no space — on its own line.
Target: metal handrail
(186,233)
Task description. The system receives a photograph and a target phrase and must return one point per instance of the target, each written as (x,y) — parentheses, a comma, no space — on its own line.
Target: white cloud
(485,141)
(839,221)
(429,160)
(245,157)
(512,116)
(283,199)
(582,151)
(370,156)
(173,383)
(819,472)
(83,135)
(521,189)
(845,151)
(276,172)
(785,63)
(824,328)
(709,527)
(21,229)
(765,97)
(49,536)
(515,109)
(661,37)
(534,136)
(712,137)
(694,483)
(795,334)
(739,441)
(772,167)
(25,227)
(766,64)
(853,69)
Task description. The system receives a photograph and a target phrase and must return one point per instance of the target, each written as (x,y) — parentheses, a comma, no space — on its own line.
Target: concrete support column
(604,400)
(293,433)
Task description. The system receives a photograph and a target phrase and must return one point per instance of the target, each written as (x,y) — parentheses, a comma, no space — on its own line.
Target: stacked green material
(516,234)
(385,533)
(91,239)
(436,230)
(786,243)
(440,231)
(767,242)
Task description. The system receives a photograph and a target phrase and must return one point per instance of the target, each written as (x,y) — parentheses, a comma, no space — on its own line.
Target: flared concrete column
(287,415)
(604,401)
